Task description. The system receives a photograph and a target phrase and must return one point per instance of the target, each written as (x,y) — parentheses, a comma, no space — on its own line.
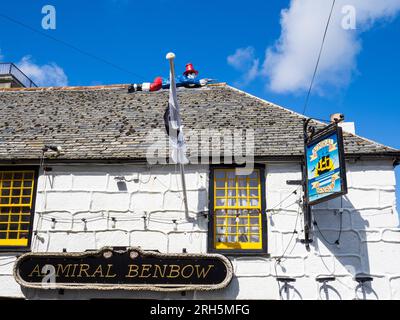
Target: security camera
(337,117)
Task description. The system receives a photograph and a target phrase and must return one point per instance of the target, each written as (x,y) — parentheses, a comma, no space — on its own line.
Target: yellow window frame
(227,209)
(17,196)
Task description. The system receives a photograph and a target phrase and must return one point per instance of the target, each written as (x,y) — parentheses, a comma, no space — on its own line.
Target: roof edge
(395,156)
(68,88)
(305,117)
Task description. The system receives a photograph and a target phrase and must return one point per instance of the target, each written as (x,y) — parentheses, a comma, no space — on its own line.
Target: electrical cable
(88,54)
(337,242)
(277,205)
(319,57)
(279,260)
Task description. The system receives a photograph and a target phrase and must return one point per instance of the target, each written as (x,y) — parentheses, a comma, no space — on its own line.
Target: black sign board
(123,269)
(325,165)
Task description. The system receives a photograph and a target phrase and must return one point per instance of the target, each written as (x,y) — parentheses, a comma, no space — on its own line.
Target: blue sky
(226,40)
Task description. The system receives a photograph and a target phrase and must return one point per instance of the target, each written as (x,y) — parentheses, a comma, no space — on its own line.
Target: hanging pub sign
(325,165)
(123,269)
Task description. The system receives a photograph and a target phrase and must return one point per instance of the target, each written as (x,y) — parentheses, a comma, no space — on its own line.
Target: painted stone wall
(80,207)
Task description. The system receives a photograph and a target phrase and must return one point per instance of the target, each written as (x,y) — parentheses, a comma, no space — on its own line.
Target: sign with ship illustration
(326,172)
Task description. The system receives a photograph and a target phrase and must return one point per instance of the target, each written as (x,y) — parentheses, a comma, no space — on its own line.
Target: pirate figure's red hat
(190,69)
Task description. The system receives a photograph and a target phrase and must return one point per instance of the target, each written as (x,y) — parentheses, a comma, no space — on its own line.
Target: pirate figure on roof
(187,80)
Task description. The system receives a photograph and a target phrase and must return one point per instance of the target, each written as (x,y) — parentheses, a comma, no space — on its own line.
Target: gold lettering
(98,270)
(183,271)
(35,270)
(133,271)
(145,267)
(84,269)
(74,270)
(108,275)
(202,271)
(158,268)
(174,268)
(63,269)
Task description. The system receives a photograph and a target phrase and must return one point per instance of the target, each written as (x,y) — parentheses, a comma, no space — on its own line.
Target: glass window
(16,203)
(237,210)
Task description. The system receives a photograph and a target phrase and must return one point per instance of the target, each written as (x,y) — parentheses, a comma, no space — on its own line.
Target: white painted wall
(370,239)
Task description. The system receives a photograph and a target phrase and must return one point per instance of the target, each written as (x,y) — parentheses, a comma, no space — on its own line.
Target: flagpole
(171,57)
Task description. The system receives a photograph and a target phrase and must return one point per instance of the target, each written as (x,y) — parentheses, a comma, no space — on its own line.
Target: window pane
(25,218)
(7,175)
(24,226)
(6,184)
(14,226)
(221,238)
(242,183)
(23,235)
(16,184)
(232,238)
(18,175)
(231,183)
(254,238)
(231,174)
(220,183)
(4,209)
(253,183)
(219,174)
(253,192)
(220,193)
(13,235)
(254,175)
(221,221)
(28,175)
(243,193)
(27,183)
(254,202)
(4,200)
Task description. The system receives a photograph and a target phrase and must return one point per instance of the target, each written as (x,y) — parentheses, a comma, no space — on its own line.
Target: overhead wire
(319,58)
(71,46)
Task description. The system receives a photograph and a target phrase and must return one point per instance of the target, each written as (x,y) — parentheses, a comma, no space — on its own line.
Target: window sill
(14,251)
(241,253)
(249,254)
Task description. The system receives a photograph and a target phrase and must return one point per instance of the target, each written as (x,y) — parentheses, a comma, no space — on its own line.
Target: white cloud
(290,62)
(43,75)
(244,61)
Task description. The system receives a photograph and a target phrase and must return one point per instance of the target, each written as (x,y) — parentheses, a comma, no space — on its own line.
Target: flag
(173,125)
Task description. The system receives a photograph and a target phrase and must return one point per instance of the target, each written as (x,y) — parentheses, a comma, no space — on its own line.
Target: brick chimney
(346,126)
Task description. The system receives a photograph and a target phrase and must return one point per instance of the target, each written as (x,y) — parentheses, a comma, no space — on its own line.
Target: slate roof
(108,123)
